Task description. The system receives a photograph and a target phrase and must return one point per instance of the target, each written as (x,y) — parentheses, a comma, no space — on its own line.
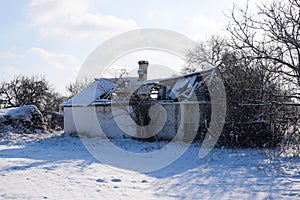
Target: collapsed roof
(172,89)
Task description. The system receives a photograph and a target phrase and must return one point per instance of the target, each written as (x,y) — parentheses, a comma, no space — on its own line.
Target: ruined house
(163,109)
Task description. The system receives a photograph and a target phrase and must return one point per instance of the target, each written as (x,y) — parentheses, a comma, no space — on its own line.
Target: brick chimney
(143,65)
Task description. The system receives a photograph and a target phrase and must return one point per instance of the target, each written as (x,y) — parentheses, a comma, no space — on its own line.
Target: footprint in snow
(116,180)
(100,180)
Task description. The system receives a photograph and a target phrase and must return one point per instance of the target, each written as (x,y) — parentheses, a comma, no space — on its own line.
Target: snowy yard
(59,167)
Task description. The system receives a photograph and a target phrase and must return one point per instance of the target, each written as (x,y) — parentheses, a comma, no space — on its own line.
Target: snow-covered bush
(54,120)
(26,119)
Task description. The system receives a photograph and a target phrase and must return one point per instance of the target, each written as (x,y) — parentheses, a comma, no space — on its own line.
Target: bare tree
(272,34)
(211,53)
(255,96)
(34,90)
(271,39)
(75,87)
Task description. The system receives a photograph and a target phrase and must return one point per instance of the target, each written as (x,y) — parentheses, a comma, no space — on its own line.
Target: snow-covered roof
(99,91)
(90,93)
(94,91)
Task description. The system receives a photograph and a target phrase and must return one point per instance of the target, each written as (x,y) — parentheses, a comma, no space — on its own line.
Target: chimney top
(141,62)
(143,65)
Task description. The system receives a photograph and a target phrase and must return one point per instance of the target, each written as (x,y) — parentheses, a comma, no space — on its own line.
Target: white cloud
(60,68)
(200,27)
(8,69)
(72,19)
(195,25)
(59,61)
(88,25)
(8,55)
(51,56)
(48,11)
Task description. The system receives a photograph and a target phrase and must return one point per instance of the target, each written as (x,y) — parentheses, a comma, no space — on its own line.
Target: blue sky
(54,37)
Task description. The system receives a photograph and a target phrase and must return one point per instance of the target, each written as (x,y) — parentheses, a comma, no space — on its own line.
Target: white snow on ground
(59,167)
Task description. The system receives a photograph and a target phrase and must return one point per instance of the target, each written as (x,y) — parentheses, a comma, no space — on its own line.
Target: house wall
(167,119)
(91,121)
